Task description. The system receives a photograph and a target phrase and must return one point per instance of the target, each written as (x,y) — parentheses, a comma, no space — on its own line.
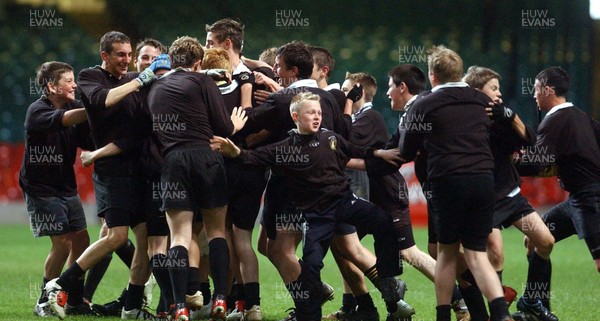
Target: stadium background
(515,38)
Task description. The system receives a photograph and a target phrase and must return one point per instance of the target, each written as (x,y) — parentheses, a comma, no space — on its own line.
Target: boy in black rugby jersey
(453,120)
(323,67)
(368,130)
(406,84)
(187,108)
(508,135)
(294,65)
(567,146)
(245,185)
(53,131)
(312,162)
(112,101)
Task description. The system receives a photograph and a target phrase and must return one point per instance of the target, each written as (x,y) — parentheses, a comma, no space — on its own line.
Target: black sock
(348,302)
(499,275)
(178,270)
(135,297)
(443,312)
(193,280)
(232,296)
(252,294)
(456,296)
(125,253)
(205,288)
(474,301)
(43,296)
(123,297)
(94,276)
(69,278)
(365,302)
(158,263)
(498,309)
(76,294)
(468,276)
(372,274)
(538,280)
(218,254)
(162,305)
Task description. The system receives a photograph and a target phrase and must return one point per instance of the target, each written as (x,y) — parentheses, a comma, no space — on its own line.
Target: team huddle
(186,149)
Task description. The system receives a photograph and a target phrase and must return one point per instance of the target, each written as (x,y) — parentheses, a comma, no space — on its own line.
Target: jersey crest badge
(332,142)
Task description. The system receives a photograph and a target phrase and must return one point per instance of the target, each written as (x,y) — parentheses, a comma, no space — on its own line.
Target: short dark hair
(555,77)
(106,42)
(149,42)
(411,75)
(476,76)
(296,54)
(322,57)
(185,52)
(228,28)
(50,72)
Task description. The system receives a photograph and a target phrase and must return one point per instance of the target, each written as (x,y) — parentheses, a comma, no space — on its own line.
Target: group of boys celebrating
(186,146)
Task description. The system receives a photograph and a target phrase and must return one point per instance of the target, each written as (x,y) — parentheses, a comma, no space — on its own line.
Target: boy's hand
(391,156)
(87,158)
(260,96)
(238,118)
(224,146)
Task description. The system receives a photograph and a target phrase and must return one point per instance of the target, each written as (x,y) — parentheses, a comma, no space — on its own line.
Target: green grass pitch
(575,282)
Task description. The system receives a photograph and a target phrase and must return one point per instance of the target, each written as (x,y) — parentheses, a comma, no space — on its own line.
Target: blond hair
(300,99)
(445,64)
